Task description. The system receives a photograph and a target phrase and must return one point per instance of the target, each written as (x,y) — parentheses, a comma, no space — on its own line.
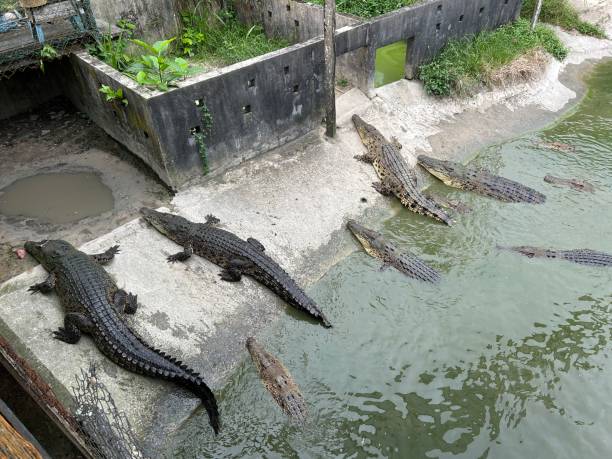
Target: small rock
(364,200)
(44,132)
(21,253)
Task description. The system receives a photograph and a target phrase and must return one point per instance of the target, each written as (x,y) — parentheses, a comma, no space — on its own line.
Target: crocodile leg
(212,220)
(234,269)
(181,256)
(125,302)
(105,257)
(44,287)
(366,158)
(74,324)
(382,188)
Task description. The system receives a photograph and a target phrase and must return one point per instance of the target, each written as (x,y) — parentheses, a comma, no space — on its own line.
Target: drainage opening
(390,63)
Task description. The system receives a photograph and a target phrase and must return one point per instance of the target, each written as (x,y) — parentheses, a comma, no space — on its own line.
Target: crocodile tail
(198,387)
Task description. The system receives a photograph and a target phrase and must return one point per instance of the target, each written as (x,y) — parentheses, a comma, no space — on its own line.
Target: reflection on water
(492,393)
(507,357)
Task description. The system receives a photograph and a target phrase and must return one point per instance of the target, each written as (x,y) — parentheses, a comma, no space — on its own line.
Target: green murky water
(390,63)
(507,358)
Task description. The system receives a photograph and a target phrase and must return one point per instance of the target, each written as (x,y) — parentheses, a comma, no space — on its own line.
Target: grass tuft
(466,64)
(368,8)
(563,14)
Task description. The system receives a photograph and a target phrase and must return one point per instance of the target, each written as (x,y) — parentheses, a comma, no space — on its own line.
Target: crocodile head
(172,226)
(257,352)
(369,239)
(530,251)
(48,253)
(370,136)
(449,172)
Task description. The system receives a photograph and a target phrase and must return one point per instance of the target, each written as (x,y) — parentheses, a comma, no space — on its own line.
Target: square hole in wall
(481,10)
(246,109)
(146,134)
(251,83)
(286,70)
(297,23)
(439,8)
(438,26)
(505,2)
(288,7)
(195,130)
(461,18)
(199,102)
(269,13)
(296,88)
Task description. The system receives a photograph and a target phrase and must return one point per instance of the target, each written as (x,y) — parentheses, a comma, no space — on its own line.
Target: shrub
(563,14)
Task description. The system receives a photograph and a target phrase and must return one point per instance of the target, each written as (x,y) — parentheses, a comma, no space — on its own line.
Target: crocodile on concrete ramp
(234,255)
(94,305)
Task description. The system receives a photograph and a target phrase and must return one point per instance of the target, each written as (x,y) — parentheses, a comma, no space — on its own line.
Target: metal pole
(329,83)
(536,14)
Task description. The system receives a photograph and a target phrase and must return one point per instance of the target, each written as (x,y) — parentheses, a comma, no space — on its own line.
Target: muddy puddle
(56,197)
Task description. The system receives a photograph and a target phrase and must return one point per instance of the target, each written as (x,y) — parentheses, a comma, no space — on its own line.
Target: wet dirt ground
(56,138)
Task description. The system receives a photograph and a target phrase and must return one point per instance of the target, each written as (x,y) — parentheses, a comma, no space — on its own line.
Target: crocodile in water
(579,185)
(581,256)
(375,245)
(278,381)
(94,305)
(396,176)
(234,255)
(480,181)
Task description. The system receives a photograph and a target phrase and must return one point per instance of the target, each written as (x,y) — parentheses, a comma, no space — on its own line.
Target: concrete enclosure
(218,119)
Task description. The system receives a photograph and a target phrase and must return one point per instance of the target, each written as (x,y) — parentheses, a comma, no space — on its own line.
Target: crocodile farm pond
(505,357)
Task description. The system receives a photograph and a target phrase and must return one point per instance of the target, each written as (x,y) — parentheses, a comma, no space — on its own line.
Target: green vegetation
(200,137)
(468,63)
(158,69)
(368,8)
(220,39)
(113,95)
(8,5)
(563,14)
(47,53)
(113,51)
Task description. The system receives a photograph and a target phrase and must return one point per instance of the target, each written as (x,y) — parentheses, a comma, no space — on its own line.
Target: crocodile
(376,246)
(451,204)
(480,181)
(278,381)
(94,306)
(581,256)
(234,255)
(396,176)
(579,185)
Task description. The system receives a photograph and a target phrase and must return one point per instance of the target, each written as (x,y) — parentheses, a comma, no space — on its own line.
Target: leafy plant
(113,95)
(563,14)
(157,69)
(469,62)
(222,39)
(47,52)
(113,50)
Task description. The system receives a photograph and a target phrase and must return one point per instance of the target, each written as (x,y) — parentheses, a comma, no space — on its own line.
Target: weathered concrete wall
(259,104)
(30,88)
(130,125)
(155,19)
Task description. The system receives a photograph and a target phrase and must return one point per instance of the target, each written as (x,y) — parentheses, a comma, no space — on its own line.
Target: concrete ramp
(294,200)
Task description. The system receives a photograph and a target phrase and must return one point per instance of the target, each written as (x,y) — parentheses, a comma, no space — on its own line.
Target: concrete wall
(27,89)
(155,19)
(262,103)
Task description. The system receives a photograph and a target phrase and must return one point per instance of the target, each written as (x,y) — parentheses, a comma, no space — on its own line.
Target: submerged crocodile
(278,381)
(396,176)
(480,181)
(579,185)
(376,246)
(581,256)
(94,305)
(234,255)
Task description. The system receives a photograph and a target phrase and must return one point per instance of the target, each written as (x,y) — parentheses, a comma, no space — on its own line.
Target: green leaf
(141,77)
(145,45)
(161,47)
